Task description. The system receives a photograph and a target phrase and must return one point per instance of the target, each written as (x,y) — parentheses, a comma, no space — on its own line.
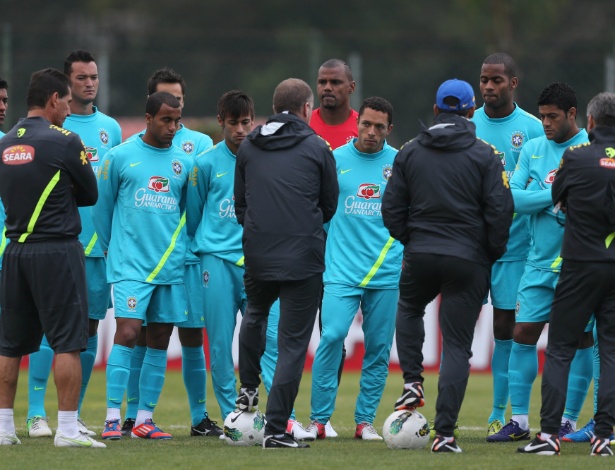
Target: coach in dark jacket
(285,190)
(448,201)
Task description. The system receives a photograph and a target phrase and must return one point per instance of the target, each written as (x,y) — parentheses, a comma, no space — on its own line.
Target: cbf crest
(177,167)
(188,146)
(205,278)
(104,136)
(517,139)
(131,303)
(387,172)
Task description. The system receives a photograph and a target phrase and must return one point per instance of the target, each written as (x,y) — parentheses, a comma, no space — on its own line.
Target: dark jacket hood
(281,131)
(449,132)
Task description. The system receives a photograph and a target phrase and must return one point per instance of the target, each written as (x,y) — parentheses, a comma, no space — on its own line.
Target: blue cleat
(510,433)
(582,435)
(565,429)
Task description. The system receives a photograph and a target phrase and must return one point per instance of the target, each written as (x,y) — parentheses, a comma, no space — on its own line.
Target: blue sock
(118,370)
(152,378)
(194,374)
(578,383)
(132,392)
(522,371)
(38,375)
(87,364)
(596,370)
(499,370)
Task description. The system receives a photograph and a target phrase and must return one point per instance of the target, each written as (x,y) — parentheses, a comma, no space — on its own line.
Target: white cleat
(8,439)
(329,431)
(82,441)
(366,432)
(296,429)
(83,429)
(39,427)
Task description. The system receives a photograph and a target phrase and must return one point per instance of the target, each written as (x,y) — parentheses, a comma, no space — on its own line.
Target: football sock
(87,364)
(38,375)
(113,413)
(132,392)
(67,424)
(596,371)
(194,374)
(152,378)
(118,370)
(142,415)
(522,371)
(544,436)
(499,370)
(581,370)
(522,421)
(7,421)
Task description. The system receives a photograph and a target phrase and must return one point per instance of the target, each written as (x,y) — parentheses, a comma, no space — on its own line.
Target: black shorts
(43,291)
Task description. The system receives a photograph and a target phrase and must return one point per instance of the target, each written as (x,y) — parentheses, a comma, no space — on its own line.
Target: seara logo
(159,184)
(369,191)
(18,155)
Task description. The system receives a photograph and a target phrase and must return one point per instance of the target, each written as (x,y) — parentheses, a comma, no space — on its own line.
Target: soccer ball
(406,429)
(244,428)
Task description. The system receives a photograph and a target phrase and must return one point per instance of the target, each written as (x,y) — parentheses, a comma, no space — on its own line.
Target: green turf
(184,452)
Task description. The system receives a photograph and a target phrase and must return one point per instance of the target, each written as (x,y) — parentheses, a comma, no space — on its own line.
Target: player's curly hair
(558,94)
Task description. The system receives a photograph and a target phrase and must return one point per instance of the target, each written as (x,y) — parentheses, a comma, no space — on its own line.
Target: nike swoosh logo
(113,399)
(220,175)
(344,171)
(38,388)
(530,447)
(536,156)
(135,164)
(201,401)
(152,405)
(80,443)
(130,400)
(236,417)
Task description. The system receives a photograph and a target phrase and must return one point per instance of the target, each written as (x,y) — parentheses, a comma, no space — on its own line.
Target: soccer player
(285,189)
(44,176)
(369,278)
(140,222)
(449,203)
(531,187)
(99,133)
(584,188)
(190,329)
(503,124)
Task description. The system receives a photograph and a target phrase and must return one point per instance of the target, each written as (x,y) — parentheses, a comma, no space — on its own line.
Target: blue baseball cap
(458,89)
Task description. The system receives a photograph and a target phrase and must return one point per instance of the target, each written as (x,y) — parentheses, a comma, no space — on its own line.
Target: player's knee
(527,333)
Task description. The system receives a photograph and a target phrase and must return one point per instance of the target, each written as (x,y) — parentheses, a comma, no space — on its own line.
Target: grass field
(184,452)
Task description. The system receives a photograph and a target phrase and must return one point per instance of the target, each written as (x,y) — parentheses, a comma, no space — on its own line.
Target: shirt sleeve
(102,212)
(198,188)
(396,202)
(81,173)
(240,188)
(329,188)
(559,190)
(530,196)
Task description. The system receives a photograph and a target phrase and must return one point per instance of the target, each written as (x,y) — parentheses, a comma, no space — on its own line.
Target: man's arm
(329,188)
(240,188)
(527,199)
(559,189)
(396,202)
(82,176)
(197,196)
(102,213)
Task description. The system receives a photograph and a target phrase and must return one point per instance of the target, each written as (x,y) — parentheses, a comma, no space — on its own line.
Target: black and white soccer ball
(244,428)
(406,429)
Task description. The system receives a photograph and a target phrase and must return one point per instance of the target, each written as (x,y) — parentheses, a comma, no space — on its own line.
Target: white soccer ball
(244,428)
(406,429)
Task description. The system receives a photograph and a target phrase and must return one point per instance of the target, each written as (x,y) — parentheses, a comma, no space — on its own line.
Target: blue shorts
(193,281)
(154,303)
(505,278)
(99,291)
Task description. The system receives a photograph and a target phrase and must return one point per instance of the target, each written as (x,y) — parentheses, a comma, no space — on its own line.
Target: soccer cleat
(129,423)
(8,439)
(509,433)
(495,427)
(296,429)
(411,397)
(432,429)
(206,427)
(83,429)
(38,426)
(540,446)
(247,399)
(112,430)
(582,435)
(316,430)
(565,429)
(366,432)
(329,430)
(149,430)
(83,441)
(441,445)
(601,447)
(285,442)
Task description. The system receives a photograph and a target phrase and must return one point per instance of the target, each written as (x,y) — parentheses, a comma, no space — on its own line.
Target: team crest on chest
(104,136)
(387,172)
(177,167)
(517,139)
(188,146)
